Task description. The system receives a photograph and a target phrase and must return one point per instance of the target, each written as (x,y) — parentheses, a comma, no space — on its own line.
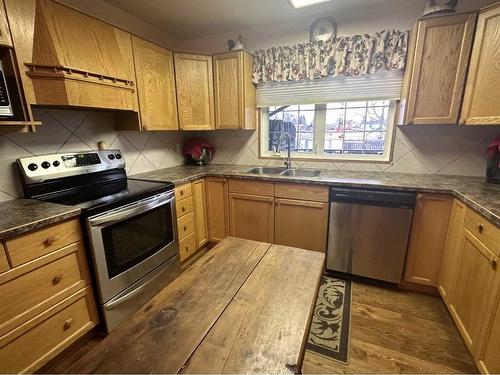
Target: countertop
(22,215)
(473,191)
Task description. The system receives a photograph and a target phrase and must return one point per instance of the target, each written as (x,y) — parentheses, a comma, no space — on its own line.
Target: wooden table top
(244,307)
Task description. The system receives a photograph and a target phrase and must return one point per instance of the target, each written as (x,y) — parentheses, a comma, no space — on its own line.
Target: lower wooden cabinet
(252,217)
(452,251)
(427,238)
(301,224)
(217,208)
(200,212)
(489,357)
(4,264)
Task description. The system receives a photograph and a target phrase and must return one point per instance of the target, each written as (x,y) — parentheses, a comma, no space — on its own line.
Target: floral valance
(349,56)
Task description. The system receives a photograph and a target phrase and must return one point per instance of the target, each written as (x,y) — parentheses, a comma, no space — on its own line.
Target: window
(347,130)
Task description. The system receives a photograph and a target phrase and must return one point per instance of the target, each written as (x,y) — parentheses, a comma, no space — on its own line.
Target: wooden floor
(395,331)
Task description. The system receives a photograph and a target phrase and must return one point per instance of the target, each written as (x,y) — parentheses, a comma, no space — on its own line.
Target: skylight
(306,3)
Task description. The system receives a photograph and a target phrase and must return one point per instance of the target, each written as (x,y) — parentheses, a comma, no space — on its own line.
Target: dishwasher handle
(389,198)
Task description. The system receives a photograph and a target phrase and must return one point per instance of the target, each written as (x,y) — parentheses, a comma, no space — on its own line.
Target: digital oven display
(81,160)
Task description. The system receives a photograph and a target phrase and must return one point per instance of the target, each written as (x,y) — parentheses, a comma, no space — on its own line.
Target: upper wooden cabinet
(481,101)
(195,99)
(435,75)
(154,69)
(234,91)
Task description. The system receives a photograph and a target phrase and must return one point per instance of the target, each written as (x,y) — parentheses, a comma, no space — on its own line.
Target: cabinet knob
(49,240)
(57,279)
(185,228)
(183,208)
(493,263)
(182,192)
(67,323)
(480,228)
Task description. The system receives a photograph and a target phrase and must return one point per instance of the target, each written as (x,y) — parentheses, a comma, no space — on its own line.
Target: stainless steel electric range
(130,224)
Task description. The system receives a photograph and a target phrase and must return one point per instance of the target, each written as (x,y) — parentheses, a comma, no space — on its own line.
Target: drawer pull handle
(480,228)
(67,323)
(50,240)
(182,192)
(493,263)
(185,228)
(183,208)
(57,279)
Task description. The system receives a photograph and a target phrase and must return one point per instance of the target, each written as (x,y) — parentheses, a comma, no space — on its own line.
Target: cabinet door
(481,101)
(5,39)
(154,69)
(489,359)
(195,99)
(301,224)
(252,217)
(452,251)
(438,68)
(477,274)
(217,208)
(427,238)
(200,213)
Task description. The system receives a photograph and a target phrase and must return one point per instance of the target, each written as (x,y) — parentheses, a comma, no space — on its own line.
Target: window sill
(338,158)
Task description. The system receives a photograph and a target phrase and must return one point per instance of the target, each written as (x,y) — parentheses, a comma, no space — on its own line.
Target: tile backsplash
(68,131)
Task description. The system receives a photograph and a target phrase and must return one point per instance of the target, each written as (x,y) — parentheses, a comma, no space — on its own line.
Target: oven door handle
(131,210)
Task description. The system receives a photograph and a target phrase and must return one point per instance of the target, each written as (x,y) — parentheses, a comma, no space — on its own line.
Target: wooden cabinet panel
(184,206)
(302,192)
(437,68)
(183,191)
(195,99)
(185,226)
(477,275)
(234,91)
(187,247)
(217,208)
(301,224)
(489,358)
(251,187)
(5,38)
(32,245)
(452,252)
(485,231)
(252,217)
(427,238)
(200,212)
(154,69)
(4,264)
(481,100)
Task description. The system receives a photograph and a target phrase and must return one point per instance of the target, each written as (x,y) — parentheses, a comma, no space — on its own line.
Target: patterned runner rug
(331,323)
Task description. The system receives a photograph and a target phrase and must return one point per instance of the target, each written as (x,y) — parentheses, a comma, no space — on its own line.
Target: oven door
(131,241)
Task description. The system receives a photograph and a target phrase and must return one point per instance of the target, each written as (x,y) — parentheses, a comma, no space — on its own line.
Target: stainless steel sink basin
(266,170)
(301,173)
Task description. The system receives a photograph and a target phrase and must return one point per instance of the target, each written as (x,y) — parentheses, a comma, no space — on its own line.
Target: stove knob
(56,163)
(45,165)
(32,167)
(118,156)
(111,156)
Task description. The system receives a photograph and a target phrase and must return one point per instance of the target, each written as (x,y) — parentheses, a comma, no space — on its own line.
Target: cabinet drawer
(33,245)
(32,292)
(485,231)
(187,247)
(302,192)
(4,264)
(183,191)
(184,206)
(185,226)
(29,351)
(251,187)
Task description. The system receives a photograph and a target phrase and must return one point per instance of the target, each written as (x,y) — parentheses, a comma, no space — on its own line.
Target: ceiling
(188,19)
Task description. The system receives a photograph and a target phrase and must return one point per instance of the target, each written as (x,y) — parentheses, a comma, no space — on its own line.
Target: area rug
(331,323)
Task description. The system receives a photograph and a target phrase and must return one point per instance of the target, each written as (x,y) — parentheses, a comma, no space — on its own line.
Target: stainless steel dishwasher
(368,232)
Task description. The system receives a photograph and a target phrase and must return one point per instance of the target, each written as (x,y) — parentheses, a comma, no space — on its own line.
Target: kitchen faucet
(288,160)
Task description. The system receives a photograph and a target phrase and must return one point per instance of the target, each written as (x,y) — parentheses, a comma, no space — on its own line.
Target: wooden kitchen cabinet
(427,238)
(481,103)
(217,208)
(235,106)
(452,252)
(195,98)
(4,263)
(200,212)
(435,75)
(5,38)
(154,69)
(252,217)
(489,358)
(301,224)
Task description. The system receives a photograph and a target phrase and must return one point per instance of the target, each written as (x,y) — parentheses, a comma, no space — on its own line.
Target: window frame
(318,153)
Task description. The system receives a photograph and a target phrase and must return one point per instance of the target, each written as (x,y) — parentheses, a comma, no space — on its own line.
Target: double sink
(293,172)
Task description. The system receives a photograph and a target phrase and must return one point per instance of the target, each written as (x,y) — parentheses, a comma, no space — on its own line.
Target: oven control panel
(46,167)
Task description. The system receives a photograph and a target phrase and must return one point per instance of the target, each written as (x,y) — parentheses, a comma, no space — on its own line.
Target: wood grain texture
(195,96)
(301,192)
(5,38)
(200,212)
(154,69)
(439,67)
(4,263)
(452,252)
(183,191)
(251,217)
(251,187)
(483,230)
(185,225)
(184,206)
(250,100)
(195,300)
(32,245)
(427,238)
(259,332)
(301,224)
(217,208)
(187,247)
(481,101)
(488,358)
